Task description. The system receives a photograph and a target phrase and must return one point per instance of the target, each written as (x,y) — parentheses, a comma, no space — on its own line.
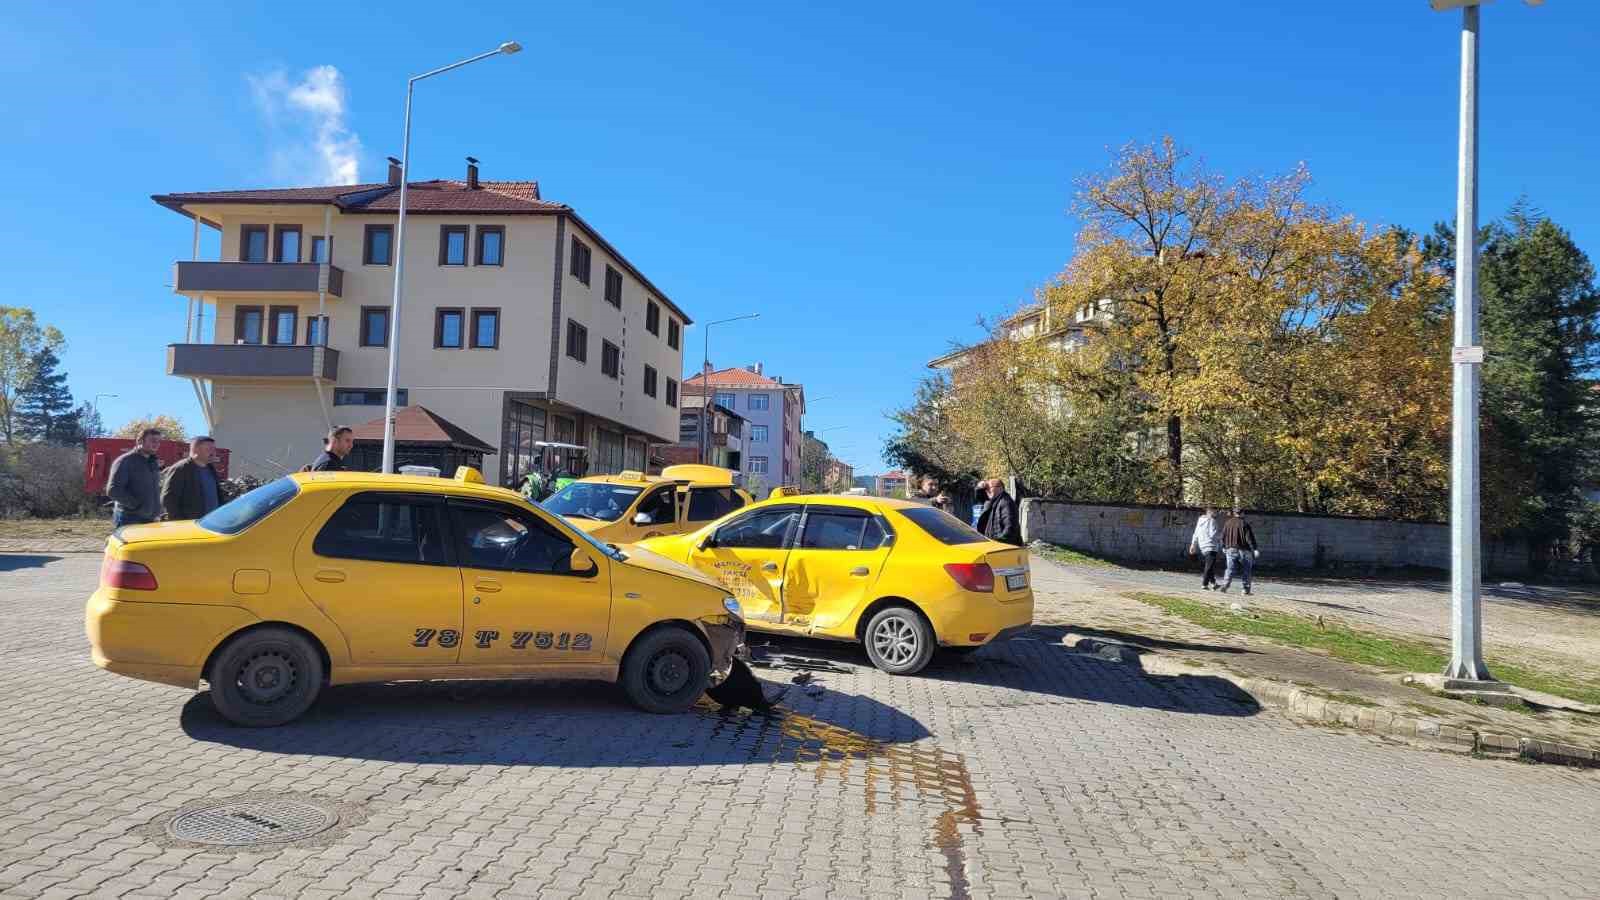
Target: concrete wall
(1161,535)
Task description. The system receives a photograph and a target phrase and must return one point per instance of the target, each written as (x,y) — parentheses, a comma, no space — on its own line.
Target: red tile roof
(420,425)
(439,196)
(736,377)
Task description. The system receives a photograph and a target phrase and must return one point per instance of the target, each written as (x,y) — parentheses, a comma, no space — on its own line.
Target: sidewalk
(1093,609)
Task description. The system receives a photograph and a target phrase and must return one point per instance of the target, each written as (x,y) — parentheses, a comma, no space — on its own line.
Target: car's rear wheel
(666,671)
(898,640)
(265,677)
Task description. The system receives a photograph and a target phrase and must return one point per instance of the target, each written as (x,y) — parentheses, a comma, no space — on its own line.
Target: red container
(100,453)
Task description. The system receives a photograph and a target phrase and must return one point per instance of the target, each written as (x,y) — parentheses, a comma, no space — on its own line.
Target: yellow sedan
(631,506)
(339,577)
(898,577)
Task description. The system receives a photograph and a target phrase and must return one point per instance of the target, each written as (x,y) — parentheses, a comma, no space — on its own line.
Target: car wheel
(266,677)
(666,671)
(899,641)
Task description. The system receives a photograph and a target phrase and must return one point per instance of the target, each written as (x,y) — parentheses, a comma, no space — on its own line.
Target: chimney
(472,174)
(394,172)
(758,368)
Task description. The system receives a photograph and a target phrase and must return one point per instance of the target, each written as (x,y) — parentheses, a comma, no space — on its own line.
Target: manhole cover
(239,823)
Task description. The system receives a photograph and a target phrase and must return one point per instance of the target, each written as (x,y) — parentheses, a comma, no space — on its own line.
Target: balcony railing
(257,278)
(228,361)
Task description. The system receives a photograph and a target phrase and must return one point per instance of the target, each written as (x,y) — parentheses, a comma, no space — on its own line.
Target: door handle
(859,571)
(329,576)
(486,585)
(769,567)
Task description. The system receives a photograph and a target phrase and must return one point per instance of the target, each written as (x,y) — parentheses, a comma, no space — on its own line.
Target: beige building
(519,322)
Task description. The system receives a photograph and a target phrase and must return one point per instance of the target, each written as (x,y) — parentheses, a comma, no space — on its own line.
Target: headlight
(732,606)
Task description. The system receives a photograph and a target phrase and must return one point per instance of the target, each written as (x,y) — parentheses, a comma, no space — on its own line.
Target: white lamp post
(508,47)
(705,382)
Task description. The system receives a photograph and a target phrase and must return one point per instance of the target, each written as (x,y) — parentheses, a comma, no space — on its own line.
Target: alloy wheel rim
(895,641)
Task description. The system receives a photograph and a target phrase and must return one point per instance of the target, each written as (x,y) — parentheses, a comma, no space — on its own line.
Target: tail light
(972,576)
(129,576)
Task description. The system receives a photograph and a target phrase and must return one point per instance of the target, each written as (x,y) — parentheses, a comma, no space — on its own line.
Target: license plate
(1016,582)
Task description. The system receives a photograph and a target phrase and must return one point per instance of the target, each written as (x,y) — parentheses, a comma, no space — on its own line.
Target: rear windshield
(943,527)
(247,509)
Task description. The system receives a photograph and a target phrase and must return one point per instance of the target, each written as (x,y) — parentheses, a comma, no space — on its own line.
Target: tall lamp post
(507,48)
(1466,597)
(705,382)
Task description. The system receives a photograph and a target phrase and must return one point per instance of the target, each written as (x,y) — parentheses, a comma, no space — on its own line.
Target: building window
(283,319)
(317,331)
(485,329)
(525,425)
(610,359)
(378,245)
(758,401)
(491,245)
(580,261)
(613,287)
(672,393)
(247,324)
(672,333)
(725,399)
(369,397)
(447,327)
(577,341)
(319,249)
(286,244)
(452,245)
(374,326)
(649,381)
(252,243)
(758,465)
(758,434)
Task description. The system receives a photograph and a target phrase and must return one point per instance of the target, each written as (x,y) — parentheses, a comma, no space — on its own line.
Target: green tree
(44,409)
(171,428)
(22,340)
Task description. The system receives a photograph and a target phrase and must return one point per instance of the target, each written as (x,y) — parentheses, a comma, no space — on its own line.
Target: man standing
(932,496)
(998,521)
(135,482)
(335,447)
(1206,540)
(1239,546)
(190,487)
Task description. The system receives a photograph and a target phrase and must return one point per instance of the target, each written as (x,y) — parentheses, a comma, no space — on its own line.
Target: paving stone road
(1032,772)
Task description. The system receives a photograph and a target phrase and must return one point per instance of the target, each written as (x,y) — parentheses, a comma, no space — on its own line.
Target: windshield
(943,527)
(593,500)
(247,509)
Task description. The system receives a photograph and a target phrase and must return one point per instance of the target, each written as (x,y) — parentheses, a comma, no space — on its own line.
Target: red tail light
(972,576)
(129,576)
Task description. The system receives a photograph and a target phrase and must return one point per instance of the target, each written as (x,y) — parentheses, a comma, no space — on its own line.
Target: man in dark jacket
(135,482)
(190,487)
(1239,547)
(335,447)
(998,521)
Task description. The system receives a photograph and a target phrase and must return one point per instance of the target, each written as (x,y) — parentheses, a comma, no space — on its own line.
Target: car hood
(587,526)
(645,558)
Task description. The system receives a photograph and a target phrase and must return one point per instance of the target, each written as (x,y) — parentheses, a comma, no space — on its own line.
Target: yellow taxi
(898,577)
(328,578)
(632,506)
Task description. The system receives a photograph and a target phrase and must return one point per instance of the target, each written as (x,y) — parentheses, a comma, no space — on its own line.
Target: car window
(760,529)
(706,504)
(840,530)
(592,500)
(383,528)
(941,526)
(500,537)
(249,508)
(660,506)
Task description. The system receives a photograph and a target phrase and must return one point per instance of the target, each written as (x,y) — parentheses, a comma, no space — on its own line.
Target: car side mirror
(704,543)
(643,518)
(582,563)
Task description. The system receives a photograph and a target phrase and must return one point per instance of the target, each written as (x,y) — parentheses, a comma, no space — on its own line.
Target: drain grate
(241,823)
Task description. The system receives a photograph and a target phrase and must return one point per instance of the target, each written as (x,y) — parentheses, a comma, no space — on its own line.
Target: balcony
(252,361)
(219,278)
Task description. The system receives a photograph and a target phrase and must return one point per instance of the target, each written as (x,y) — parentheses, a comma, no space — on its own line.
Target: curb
(1306,706)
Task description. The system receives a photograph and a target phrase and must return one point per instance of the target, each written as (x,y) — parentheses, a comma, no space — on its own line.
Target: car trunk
(1012,580)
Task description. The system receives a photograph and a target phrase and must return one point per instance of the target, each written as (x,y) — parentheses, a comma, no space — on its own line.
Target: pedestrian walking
(135,482)
(190,487)
(335,447)
(998,521)
(1205,543)
(1240,550)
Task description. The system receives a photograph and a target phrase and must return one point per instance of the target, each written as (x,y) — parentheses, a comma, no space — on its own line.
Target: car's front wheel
(666,671)
(265,677)
(898,640)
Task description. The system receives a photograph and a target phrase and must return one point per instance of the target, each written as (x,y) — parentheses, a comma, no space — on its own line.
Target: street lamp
(508,48)
(705,380)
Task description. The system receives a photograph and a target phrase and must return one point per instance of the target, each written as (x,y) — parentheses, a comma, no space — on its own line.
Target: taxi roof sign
(468,475)
(699,474)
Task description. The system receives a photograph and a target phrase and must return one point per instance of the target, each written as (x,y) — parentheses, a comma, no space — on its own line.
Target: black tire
(265,677)
(666,671)
(898,640)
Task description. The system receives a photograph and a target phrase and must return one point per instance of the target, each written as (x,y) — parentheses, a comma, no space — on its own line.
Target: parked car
(632,506)
(339,577)
(898,577)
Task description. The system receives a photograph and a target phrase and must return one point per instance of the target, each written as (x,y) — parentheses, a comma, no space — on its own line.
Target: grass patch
(1364,647)
(1341,697)
(1070,557)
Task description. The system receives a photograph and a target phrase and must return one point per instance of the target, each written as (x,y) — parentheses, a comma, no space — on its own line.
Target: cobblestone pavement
(1031,772)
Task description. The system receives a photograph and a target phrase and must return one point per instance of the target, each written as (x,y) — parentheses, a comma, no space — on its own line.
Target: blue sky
(872,178)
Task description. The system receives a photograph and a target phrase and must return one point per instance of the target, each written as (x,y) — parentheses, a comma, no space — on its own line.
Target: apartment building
(772,410)
(726,429)
(519,322)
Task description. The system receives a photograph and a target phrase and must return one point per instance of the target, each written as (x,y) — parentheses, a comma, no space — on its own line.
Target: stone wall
(1158,534)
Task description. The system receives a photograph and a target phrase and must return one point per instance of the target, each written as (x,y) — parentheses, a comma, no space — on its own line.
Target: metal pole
(399,280)
(1466,601)
(705,387)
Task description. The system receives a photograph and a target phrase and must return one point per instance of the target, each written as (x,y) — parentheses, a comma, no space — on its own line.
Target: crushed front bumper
(726,634)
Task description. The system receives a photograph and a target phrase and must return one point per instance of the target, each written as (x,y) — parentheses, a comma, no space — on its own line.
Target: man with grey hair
(998,521)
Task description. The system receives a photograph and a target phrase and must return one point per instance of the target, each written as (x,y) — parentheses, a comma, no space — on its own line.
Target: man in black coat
(999,521)
(335,447)
(190,487)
